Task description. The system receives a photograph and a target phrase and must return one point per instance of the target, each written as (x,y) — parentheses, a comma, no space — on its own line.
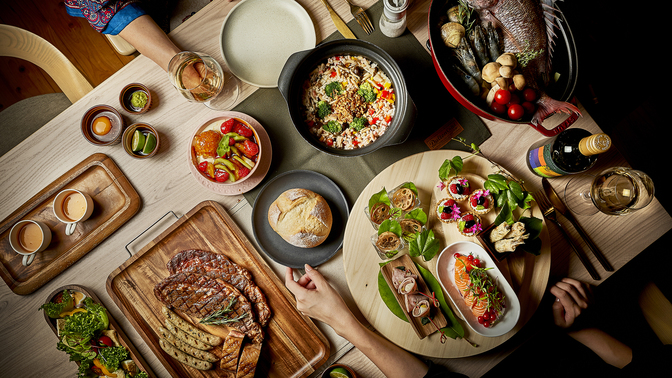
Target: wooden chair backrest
(19,43)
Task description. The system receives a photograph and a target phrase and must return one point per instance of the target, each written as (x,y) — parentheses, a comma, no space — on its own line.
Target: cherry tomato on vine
(498,108)
(528,106)
(502,96)
(477,262)
(515,99)
(516,112)
(529,94)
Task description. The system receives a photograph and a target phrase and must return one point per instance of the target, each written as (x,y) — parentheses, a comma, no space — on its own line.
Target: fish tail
(547,106)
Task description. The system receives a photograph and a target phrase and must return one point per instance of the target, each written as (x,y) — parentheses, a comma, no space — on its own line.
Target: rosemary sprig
(219,316)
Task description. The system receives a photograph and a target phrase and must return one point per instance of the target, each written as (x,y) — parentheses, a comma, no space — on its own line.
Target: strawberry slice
(227,125)
(242,172)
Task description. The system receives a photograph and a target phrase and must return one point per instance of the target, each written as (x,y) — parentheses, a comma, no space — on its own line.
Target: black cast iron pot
(300,64)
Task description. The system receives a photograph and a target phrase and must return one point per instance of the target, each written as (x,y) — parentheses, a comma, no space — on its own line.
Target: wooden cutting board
(529,274)
(115,202)
(293,345)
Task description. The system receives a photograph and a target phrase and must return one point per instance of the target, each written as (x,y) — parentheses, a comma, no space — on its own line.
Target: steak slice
(230,352)
(200,296)
(219,266)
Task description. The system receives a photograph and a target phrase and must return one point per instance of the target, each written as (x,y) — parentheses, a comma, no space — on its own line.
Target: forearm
(604,345)
(390,359)
(148,38)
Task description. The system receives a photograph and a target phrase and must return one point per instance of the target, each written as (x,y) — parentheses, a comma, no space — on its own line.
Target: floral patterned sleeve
(101,13)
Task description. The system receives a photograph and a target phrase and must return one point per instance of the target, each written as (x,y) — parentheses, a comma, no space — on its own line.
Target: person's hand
(316,298)
(572,297)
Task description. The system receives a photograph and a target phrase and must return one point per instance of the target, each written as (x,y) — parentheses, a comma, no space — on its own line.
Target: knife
(340,25)
(562,209)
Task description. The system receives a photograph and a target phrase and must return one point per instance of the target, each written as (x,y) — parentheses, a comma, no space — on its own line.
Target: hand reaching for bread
(301,217)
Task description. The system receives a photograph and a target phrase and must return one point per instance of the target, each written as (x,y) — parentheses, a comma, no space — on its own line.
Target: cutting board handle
(148,228)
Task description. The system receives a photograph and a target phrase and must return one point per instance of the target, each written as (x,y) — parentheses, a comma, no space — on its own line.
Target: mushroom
(502,82)
(519,81)
(454,14)
(506,71)
(491,71)
(452,33)
(508,59)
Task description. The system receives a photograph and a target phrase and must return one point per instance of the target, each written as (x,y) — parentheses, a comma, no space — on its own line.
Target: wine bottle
(570,152)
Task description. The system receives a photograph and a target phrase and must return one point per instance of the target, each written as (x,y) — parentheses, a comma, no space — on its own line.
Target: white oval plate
(445,271)
(258,36)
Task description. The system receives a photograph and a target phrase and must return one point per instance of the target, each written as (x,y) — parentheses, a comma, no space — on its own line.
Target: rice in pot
(348,102)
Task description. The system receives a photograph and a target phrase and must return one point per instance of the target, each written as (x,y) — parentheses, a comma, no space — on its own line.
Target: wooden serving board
(422,330)
(115,200)
(293,346)
(123,339)
(529,274)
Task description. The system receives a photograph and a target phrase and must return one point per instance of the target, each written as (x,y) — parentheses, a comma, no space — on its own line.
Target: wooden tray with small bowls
(293,346)
(121,336)
(115,202)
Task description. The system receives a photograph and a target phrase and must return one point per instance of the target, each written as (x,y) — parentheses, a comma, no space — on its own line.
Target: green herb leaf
(53,310)
(424,245)
(388,297)
(379,197)
(391,226)
(454,165)
(111,357)
(417,214)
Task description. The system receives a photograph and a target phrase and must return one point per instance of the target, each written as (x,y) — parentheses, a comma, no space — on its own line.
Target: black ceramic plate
(275,246)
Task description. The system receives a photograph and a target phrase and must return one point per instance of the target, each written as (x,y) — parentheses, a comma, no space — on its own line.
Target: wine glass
(615,191)
(199,78)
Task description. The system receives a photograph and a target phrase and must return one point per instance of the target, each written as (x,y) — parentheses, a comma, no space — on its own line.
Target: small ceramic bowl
(127,94)
(145,129)
(334,366)
(109,114)
(215,124)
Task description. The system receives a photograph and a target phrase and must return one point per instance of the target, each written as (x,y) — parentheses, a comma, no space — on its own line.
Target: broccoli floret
(367,92)
(323,109)
(333,89)
(358,123)
(332,127)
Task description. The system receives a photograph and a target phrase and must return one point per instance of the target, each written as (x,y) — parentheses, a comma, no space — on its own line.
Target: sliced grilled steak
(230,352)
(219,266)
(199,296)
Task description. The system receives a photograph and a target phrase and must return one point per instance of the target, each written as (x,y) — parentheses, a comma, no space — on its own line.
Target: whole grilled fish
(528,26)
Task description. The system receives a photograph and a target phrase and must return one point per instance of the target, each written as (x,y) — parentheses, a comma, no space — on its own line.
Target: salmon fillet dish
(478,289)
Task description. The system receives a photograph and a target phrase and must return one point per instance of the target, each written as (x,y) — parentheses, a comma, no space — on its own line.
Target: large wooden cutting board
(528,273)
(293,345)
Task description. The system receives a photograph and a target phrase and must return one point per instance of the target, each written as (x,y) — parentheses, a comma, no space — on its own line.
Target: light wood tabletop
(165,183)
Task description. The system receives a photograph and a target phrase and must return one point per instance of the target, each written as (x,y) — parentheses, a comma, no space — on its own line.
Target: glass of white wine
(200,78)
(615,191)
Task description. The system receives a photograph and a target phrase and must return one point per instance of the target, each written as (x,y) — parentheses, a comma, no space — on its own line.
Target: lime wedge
(150,144)
(339,372)
(138,141)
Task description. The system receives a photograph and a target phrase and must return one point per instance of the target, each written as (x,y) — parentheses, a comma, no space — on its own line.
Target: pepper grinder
(393,19)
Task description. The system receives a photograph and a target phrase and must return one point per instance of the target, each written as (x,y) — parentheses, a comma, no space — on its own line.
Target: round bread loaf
(301,217)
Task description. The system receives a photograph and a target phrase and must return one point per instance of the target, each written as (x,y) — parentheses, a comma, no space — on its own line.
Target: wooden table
(165,183)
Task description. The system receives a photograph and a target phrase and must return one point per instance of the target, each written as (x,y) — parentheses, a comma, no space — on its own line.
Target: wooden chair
(120,44)
(657,311)
(19,43)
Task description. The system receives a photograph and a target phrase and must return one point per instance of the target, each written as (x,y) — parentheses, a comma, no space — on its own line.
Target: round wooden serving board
(527,274)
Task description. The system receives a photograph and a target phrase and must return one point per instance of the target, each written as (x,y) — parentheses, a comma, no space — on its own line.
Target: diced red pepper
(384,94)
(333,74)
(374,120)
(371,111)
(388,119)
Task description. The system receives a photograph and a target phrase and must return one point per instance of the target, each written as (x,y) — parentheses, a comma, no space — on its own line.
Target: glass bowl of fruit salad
(226,150)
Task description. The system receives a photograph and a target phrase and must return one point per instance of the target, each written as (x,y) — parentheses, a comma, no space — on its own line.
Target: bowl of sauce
(102,125)
(135,98)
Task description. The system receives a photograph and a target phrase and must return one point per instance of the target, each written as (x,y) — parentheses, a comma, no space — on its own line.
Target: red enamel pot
(564,64)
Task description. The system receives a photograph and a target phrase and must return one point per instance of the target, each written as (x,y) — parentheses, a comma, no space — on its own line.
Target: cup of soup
(71,207)
(28,237)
